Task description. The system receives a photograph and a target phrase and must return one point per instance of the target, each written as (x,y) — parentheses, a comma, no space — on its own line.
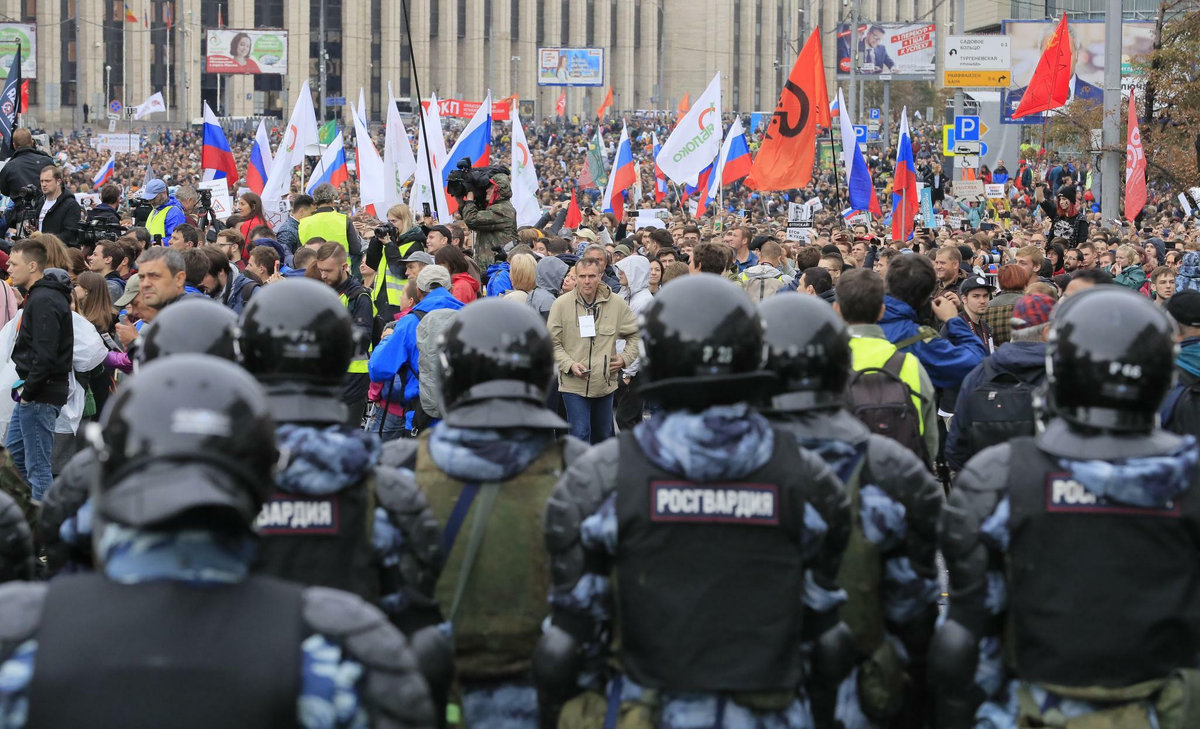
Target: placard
(222,201)
(994,192)
(970,189)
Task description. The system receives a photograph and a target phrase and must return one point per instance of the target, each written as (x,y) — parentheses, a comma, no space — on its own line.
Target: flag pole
(412,57)
(837,187)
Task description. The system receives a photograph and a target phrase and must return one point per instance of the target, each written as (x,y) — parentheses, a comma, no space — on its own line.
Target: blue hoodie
(1025,360)
(946,360)
(498,280)
(400,349)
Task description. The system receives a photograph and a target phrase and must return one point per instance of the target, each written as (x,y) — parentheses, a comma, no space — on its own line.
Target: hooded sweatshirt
(465,287)
(549,278)
(636,294)
(43,349)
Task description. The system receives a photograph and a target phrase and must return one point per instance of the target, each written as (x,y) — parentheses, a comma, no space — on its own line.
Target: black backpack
(884,403)
(999,409)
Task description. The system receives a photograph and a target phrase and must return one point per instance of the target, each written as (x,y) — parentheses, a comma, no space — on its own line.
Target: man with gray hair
(328,224)
(995,402)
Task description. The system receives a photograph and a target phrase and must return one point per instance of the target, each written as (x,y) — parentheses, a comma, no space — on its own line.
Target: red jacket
(464,287)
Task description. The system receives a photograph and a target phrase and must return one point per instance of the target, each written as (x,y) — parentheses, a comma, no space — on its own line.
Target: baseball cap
(431,275)
(132,288)
(443,230)
(972,283)
(1032,310)
(622,249)
(1184,307)
(418,257)
(153,189)
(586,234)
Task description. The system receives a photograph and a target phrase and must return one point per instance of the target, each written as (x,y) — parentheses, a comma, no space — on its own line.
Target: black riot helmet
(1109,360)
(191,326)
(298,340)
(190,433)
(808,347)
(702,345)
(495,368)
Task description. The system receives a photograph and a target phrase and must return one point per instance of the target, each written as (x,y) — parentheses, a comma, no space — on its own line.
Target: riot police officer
(336,518)
(727,554)
(888,570)
(1074,584)
(16,542)
(190,326)
(174,620)
(488,469)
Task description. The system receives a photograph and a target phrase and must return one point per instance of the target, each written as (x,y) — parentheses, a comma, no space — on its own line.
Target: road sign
(874,115)
(970,162)
(977,53)
(860,133)
(335,101)
(129,113)
(966,128)
(983,79)
(962,146)
(949,142)
(115,107)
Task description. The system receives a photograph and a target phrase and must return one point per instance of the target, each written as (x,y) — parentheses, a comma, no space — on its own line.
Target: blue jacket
(1025,360)
(498,280)
(175,217)
(947,361)
(400,350)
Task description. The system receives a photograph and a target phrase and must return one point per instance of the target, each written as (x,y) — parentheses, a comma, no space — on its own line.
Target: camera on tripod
(27,203)
(94,231)
(465,179)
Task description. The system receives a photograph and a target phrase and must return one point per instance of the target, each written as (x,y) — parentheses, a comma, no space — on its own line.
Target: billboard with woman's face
(246,51)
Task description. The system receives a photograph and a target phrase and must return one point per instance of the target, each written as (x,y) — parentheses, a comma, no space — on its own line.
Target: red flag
(785,158)
(574,214)
(1135,167)
(1051,83)
(560,107)
(24,106)
(685,104)
(608,101)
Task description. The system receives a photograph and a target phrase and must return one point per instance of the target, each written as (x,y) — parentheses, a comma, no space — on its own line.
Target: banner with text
(460,109)
(887,48)
(246,51)
(570,67)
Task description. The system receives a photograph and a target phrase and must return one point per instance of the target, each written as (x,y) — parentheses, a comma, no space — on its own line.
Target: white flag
(431,152)
(150,106)
(301,131)
(696,139)
(398,161)
(362,108)
(523,175)
(369,168)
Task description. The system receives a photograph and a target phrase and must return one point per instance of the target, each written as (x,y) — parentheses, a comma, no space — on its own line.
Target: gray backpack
(429,331)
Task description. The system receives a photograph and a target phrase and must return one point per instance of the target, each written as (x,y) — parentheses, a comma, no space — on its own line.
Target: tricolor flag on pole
(331,168)
(523,175)
(105,173)
(660,180)
(431,152)
(474,144)
(735,159)
(368,167)
(905,198)
(621,178)
(704,184)
(398,161)
(260,160)
(858,177)
(696,140)
(216,158)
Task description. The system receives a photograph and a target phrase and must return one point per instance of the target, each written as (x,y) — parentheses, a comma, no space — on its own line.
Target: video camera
(466,178)
(93,231)
(27,204)
(140,211)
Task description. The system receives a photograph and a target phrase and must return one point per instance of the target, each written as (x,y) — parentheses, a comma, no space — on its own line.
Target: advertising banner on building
(570,67)
(246,51)
(462,109)
(12,34)
(1088,56)
(889,48)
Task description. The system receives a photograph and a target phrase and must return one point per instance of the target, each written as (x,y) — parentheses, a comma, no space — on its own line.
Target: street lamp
(107,84)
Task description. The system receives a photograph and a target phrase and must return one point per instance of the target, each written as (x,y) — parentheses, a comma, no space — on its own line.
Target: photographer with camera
(392,242)
(484,198)
(24,166)
(59,212)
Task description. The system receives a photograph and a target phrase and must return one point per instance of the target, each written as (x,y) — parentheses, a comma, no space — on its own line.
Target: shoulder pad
(897,470)
(394,687)
(69,490)
(20,613)
(16,541)
(396,489)
(987,471)
(399,453)
(588,481)
(573,449)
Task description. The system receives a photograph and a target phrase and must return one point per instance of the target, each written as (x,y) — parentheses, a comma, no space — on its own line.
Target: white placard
(968,189)
(994,192)
(799,233)
(954,222)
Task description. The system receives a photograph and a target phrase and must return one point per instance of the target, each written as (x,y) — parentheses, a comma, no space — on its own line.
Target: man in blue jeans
(42,356)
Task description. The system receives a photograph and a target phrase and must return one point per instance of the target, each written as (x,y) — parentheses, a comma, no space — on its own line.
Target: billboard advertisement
(889,48)
(246,51)
(570,67)
(1028,38)
(26,35)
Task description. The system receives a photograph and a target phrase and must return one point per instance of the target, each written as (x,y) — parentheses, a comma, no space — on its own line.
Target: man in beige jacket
(585,325)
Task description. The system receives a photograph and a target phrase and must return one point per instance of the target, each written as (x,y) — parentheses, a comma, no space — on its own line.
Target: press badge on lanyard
(587,326)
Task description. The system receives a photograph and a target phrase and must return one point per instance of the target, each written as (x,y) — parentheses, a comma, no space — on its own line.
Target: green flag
(595,174)
(327,133)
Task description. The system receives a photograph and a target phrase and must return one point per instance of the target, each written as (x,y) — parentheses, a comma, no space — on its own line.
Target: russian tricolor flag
(735,155)
(331,168)
(858,177)
(621,178)
(660,179)
(216,158)
(835,106)
(105,173)
(704,183)
(475,142)
(260,160)
(905,198)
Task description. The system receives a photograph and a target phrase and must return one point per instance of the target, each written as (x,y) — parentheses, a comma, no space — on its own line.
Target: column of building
(185,47)
(239,88)
(526,47)
(551,23)
(391,29)
(89,65)
(49,62)
(356,53)
(622,64)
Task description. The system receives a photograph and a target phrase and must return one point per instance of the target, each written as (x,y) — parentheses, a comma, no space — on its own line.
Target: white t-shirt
(45,209)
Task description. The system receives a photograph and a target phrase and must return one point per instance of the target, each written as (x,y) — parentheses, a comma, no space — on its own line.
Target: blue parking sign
(966,128)
(860,133)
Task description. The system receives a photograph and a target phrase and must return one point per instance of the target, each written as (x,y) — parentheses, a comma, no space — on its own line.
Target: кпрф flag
(696,140)
(1050,86)
(858,177)
(216,158)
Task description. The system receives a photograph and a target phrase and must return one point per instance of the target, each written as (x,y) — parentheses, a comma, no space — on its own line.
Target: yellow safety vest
(156,224)
(358,365)
(328,225)
(873,352)
(386,280)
